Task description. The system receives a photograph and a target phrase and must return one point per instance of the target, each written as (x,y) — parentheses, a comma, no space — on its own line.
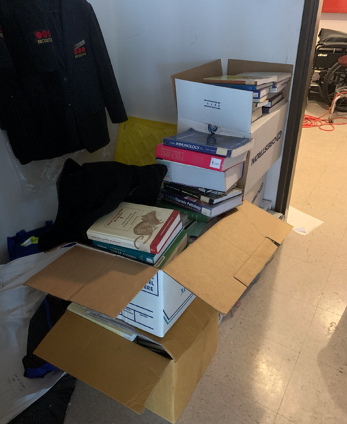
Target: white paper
(18,303)
(303,224)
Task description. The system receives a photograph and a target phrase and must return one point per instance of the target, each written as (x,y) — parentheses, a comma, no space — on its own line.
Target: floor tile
(89,406)
(278,317)
(334,222)
(147,417)
(326,340)
(215,403)
(282,420)
(293,277)
(316,394)
(334,296)
(253,366)
(340,262)
(313,248)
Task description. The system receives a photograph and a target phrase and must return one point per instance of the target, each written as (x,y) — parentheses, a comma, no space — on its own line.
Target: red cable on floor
(313,121)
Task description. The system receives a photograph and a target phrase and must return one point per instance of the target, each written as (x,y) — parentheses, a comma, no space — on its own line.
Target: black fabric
(46,316)
(330,35)
(51,407)
(54,87)
(89,191)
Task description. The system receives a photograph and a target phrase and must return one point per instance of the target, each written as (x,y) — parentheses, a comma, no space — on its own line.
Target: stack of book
(148,234)
(267,88)
(203,170)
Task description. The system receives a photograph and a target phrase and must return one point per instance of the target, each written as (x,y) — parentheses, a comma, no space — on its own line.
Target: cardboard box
(256,193)
(129,373)
(217,268)
(210,108)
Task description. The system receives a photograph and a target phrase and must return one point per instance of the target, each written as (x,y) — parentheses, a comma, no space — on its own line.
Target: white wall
(336,21)
(149,40)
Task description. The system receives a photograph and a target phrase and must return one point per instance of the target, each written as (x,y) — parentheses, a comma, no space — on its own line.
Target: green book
(191,214)
(174,250)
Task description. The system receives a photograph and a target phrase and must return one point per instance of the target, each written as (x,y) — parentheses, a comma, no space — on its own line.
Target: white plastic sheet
(18,303)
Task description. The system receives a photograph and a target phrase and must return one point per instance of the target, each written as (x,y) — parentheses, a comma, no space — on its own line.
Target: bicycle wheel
(335,78)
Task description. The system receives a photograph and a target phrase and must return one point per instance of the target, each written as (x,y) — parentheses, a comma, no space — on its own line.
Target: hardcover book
(275,107)
(139,255)
(209,196)
(198,206)
(250,78)
(140,227)
(203,160)
(215,144)
(191,214)
(201,177)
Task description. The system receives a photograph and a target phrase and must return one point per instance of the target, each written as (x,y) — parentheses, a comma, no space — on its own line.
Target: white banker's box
(158,305)
(210,108)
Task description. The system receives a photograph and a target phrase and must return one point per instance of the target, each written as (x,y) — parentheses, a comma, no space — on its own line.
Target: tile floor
(282,356)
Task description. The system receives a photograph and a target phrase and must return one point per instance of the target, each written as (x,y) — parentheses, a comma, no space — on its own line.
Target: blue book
(222,145)
(259,91)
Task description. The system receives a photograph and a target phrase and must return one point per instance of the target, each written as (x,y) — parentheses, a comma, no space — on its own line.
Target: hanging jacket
(61,81)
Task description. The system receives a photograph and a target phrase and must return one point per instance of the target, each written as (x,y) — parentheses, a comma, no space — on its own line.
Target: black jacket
(56,79)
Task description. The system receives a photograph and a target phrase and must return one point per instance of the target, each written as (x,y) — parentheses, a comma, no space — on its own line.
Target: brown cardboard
(130,373)
(217,268)
(198,73)
(222,263)
(93,278)
(181,377)
(119,368)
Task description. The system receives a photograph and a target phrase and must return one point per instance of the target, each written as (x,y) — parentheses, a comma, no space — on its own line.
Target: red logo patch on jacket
(80,49)
(43,37)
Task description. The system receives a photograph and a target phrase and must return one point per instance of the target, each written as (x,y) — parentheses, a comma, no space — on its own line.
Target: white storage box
(256,193)
(210,108)
(158,305)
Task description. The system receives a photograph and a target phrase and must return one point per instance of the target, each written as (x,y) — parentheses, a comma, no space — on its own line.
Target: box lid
(221,264)
(96,279)
(217,268)
(101,358)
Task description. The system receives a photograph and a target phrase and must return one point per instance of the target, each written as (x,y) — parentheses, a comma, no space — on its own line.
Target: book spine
(144,257)
(187,204)
(182,191)
(195,147)
(191,214)
(188,157)
(163,231)
(110,240)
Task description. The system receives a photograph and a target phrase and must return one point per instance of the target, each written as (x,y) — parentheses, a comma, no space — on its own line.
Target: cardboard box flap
(182,335)
(256,262)
(265,224)
(198,73)
(124,371)
(220,264)
(237,66)
(98,280)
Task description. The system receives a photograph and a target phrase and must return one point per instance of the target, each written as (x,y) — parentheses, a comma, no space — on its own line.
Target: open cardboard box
(217,268)
(228,111)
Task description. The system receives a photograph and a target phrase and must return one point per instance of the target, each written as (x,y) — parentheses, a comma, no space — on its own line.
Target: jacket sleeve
(109,86)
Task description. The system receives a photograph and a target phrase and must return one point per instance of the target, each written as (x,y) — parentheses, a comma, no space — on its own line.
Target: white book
(202,177)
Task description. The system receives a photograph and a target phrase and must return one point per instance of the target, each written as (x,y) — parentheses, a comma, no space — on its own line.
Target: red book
(202,160)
